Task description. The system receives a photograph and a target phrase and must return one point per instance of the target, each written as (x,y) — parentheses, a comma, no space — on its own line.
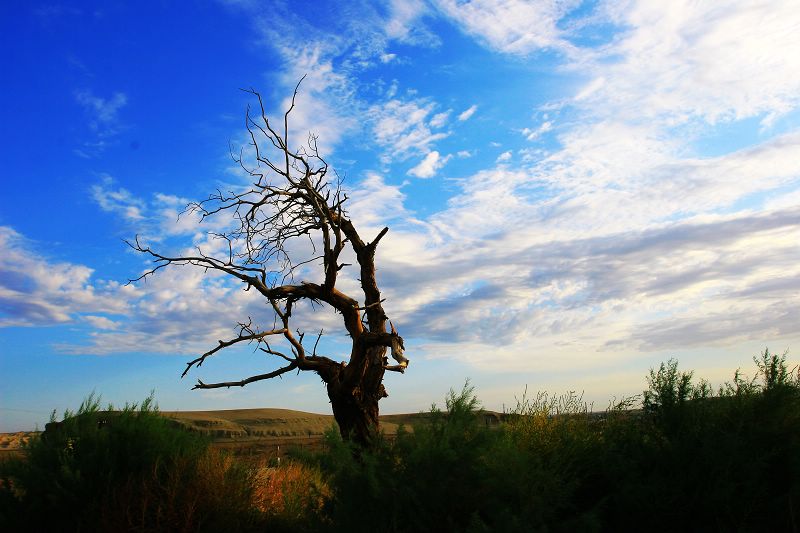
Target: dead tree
(293,198)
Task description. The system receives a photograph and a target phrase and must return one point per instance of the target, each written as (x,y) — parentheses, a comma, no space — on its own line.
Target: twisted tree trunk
(355,408)
(291,198)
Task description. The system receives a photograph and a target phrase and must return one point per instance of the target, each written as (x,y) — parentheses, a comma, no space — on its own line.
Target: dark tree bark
(291,198)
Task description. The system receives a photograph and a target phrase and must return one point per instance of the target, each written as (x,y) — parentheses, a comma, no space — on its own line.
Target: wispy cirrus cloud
(155,218)
(467,113)
(405,128)
(103,114)
(512,26)
(117,200)
(404,25)
(103,111)
(331,102)
(715,62)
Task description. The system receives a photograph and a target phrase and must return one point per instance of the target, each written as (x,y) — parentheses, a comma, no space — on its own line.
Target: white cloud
(101,322)
(617,240)
(159,308)
(37,292)
(431,164)
(119,201)
(512,26)
(166,306)
(332,57)
(154,220)
(323,104)
(467,113)
(589,253)
(682,60)
(404,128)
(373,203)
(533,134)
(622,240)
(439,119)
(585,295)
(608,168)
(504,157)
(103,121)
(404,23)
(103,110)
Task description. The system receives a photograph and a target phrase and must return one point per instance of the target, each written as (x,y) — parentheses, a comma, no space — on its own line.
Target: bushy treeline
(126,470)
(691,459)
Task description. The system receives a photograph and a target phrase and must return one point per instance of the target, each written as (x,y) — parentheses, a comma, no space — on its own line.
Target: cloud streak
(38,292)
(103,120)
(716,62)
(511,26)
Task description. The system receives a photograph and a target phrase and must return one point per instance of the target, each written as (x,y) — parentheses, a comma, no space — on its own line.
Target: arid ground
(260,433)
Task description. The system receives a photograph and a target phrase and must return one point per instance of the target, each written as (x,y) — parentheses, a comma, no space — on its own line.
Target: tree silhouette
(293,199)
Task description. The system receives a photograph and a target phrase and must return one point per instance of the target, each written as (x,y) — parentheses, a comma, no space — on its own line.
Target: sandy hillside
(249,424)
(258,423)
(10,441)
(266,423)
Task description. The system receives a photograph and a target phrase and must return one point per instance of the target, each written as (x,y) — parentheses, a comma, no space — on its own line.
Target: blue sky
(576,191)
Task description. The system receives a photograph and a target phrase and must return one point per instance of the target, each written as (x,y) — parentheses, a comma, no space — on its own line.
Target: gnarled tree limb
(291,198)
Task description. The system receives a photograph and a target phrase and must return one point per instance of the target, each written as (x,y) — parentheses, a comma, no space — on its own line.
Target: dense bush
(434,479)
(115,471)
(691,459)
(713,462)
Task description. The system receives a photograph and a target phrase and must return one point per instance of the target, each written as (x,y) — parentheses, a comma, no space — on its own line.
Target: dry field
(270,433)
(11,443)
(257,433)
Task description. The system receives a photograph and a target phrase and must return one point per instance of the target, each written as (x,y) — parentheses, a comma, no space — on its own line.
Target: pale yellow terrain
(276,426)
(267,423)
(13,441)
(253,423)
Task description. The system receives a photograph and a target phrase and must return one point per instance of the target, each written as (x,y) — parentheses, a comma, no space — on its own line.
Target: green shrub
(453,473)
(118,470)
(557,441)
(690,460)
(431,479)
(699,461)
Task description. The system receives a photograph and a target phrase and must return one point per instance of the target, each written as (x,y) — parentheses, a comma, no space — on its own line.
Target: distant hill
(251,425)
(276,423)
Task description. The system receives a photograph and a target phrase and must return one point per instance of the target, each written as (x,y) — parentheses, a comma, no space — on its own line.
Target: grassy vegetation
(691,459)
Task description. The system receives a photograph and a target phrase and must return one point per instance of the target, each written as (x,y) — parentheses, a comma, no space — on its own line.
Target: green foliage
(110,470)
(690,460)
(430,479)
(699,461)
(774,372)
(670,389)
(456,473)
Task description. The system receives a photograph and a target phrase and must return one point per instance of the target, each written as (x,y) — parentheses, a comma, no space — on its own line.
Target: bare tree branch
(225,344)
(291,205)
(242,383)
